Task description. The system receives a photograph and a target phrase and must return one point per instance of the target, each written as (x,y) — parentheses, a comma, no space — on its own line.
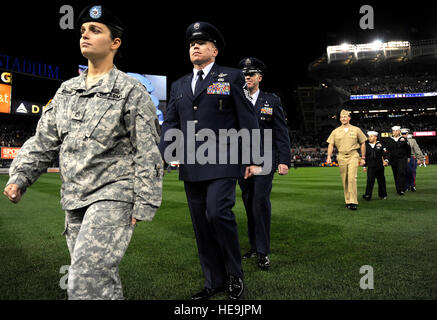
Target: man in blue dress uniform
(256,190)
(202,104)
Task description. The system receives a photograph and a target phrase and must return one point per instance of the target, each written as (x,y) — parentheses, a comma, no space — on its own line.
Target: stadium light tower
(345,46)
(377,44)
(391,49)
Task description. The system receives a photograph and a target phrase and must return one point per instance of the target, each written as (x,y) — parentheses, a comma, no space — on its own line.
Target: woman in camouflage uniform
(104,128)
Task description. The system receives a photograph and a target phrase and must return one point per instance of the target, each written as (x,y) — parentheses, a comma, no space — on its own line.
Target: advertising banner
(27,107)
(424,134)
(5,98)
(8,152)
(5,77)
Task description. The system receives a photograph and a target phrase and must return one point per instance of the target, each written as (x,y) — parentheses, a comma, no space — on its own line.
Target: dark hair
(116,33)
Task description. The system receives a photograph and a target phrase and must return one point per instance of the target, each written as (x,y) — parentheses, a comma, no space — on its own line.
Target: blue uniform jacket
(220,104)
(271,116)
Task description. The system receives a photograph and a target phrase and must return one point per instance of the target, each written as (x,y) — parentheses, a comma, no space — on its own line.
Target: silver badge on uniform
(221,76)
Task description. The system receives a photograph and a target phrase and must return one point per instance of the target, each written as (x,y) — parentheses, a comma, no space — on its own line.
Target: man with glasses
(256,190)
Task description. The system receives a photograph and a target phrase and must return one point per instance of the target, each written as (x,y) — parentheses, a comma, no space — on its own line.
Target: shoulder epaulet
(271,94)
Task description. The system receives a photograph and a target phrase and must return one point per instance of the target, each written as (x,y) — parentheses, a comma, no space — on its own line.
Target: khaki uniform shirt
(106,138)
(415,150)
(347,141)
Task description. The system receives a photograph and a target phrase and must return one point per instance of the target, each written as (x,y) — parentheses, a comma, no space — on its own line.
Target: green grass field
(318,246)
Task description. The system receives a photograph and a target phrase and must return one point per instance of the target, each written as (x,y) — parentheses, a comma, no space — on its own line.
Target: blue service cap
(252,65)
(204,31)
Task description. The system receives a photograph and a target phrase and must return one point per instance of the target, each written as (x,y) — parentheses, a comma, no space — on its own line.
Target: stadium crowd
(395,83)
(311,149)
(383,123)
(305,149)
(14,131)
(13,136)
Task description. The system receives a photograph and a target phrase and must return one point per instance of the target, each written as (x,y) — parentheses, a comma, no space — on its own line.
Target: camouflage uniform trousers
(97,238)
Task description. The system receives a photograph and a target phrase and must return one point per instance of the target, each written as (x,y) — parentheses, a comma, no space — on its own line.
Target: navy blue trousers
(378,174)
(399,168)
(411,173)
(256,198)
(215,228)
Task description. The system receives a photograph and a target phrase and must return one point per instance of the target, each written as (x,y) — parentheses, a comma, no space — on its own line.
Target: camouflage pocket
(108,214)
(101,125)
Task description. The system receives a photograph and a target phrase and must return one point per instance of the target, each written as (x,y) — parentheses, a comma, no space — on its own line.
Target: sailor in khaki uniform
(348,139)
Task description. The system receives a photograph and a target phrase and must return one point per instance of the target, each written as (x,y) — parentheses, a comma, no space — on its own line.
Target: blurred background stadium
(382,83)
(386,76)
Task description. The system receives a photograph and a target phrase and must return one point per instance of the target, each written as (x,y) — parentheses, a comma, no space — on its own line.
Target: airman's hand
(282,169)
(251,170)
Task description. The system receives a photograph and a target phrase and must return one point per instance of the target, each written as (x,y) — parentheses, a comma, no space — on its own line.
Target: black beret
(99,13)
(251,65)
(204,31)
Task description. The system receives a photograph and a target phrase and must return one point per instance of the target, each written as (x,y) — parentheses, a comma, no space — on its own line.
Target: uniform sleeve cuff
(20,180)
(286,162)
(144,212)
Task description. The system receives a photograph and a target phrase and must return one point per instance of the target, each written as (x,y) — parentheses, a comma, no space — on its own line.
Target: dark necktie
(198,82)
